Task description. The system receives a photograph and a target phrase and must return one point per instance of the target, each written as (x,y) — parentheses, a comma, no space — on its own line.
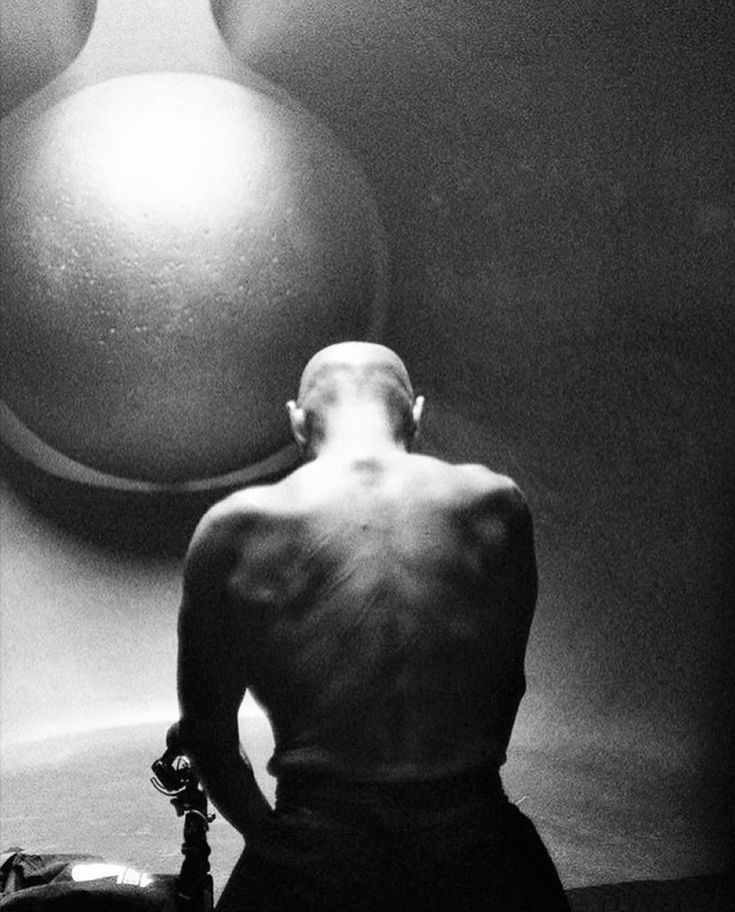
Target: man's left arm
(512,580)
(212,679)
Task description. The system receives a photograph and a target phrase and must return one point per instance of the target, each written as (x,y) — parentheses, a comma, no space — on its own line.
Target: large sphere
(175,247)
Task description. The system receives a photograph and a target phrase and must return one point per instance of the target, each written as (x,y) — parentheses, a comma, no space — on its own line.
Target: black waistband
(481,783)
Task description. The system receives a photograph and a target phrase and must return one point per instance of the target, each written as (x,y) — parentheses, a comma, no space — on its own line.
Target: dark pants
(451,845)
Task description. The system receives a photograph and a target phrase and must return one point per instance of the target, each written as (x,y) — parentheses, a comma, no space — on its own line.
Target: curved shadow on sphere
(145,523)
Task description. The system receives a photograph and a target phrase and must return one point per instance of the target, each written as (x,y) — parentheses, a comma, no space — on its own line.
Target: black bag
(87,883)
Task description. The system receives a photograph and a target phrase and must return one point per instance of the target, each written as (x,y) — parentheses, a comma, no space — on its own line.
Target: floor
(605,818)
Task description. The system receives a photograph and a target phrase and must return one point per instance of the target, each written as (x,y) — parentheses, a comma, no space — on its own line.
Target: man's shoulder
(243,503)
(227,520)
(493,488)
(474,483)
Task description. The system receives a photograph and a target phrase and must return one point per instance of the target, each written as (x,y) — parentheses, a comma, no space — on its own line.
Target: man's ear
(297,417)
(418,411)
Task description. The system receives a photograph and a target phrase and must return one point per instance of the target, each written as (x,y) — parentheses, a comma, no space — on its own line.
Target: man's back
(382,608)
(378,604)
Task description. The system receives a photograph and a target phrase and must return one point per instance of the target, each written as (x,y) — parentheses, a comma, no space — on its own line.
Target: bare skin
(376,603)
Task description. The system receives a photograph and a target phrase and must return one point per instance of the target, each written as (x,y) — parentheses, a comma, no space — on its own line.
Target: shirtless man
(377,604)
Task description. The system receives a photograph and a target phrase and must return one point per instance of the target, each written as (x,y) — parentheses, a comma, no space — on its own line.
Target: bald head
(354,373)
(355,366)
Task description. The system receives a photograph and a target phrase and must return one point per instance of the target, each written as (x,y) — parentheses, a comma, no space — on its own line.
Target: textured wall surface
(557,187)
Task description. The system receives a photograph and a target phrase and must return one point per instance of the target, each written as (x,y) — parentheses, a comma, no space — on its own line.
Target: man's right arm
(213,677)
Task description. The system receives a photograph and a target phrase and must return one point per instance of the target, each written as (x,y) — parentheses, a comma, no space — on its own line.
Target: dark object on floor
(21,870)
(93,896)
(71,882)
(711,893)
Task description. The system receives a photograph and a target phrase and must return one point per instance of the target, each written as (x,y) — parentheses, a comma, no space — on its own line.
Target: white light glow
(164,145)
(121,874)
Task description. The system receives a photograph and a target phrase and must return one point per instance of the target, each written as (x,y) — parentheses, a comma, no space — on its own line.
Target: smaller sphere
(37,41)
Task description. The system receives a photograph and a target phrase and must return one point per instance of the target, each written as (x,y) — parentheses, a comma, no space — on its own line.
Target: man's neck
(358,433)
